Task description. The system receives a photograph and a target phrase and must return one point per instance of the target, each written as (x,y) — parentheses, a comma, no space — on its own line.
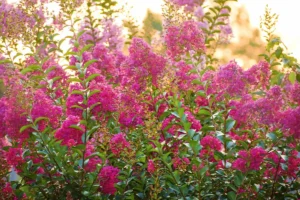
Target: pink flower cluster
(274,168)
(107,97)
(226,30)
(258,74)
(294,92)
(75,100)
(249,160)
(10,13)
(209,145)
(106,61)
(14,158)
(93,160)
(104,100)
(58,76)
(112,35)
(290,120)
(119,144)
(188,4)
(70,136)
(180,163)
(184,77)
(169,124)
(7,192)
(232,80)
(195,123)
(2,116)
(250,112)
(293,164)
(229,80)
(268,110)
(131,111)
(184,38)
(151,167)
(141,65)
(43,106)
(13,117)
(108,178)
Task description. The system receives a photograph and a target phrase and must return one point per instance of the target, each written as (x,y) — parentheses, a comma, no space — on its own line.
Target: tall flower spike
(184,38)
(108,177)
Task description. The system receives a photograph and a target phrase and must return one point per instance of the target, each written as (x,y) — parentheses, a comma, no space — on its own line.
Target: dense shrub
(80,119)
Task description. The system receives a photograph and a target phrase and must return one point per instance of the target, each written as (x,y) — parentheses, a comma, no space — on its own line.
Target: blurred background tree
(246,43)
(152,25)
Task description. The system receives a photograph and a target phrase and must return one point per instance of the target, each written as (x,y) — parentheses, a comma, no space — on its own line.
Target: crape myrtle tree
(81,119)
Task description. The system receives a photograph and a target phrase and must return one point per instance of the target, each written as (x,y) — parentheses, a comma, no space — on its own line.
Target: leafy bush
(91,122)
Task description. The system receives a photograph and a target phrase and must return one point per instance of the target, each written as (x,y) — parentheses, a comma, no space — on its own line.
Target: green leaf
(187,126)
(84,138)
(175,114)
(177,176)
(17,55)
(50,69)
(55,78)
(265,56)
(86,48)
(29,164)
(70,53)
(80,33)
(230,144)
(77,106)
(5,61)
(201,93)
(203,171)
(92,131)
(284,166)
(195,145)
(218,155)
(30,68)
(165,157)
(39,119)
(278,52)
(203,111)
(74,80)
(72,67)
(180,112)
(92,93)
(23,128)
(284,157)
(94,105)
(77,127)
(88,63)
(25,153)
(191,133)
(231,195)
(220,23)
(272,136)
(77,92)
(238,178)
(232,187)
(229,124)
(292,77)
(91,77)
(214,10)
(196,82)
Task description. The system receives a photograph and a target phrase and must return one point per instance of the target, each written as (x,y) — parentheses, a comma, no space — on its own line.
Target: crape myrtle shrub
(91,122)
